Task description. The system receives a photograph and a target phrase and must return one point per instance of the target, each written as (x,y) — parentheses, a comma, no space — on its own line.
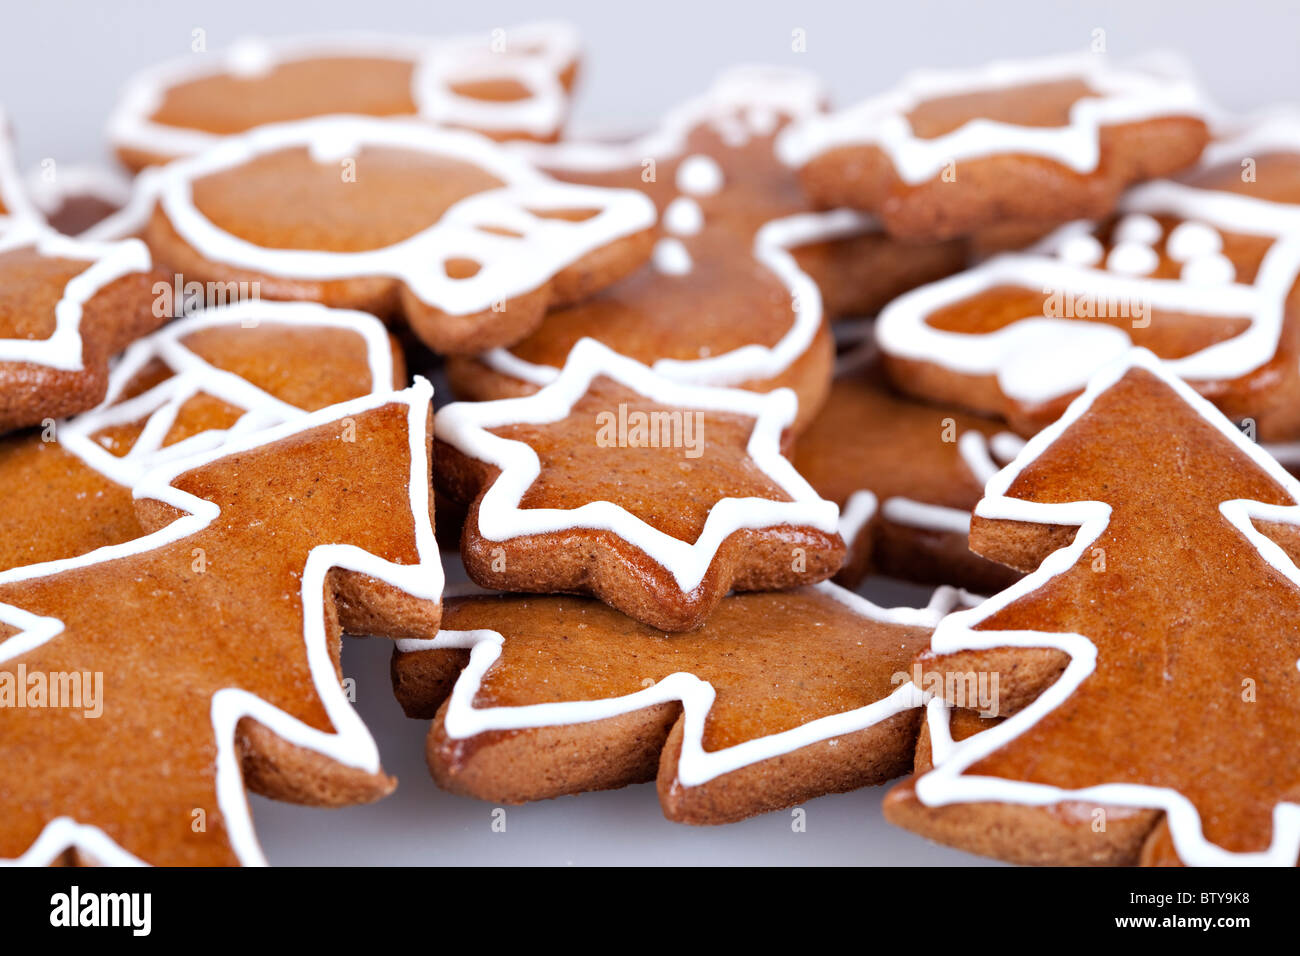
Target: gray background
(61,65)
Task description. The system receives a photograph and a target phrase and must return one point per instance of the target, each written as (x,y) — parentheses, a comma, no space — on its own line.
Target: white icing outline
(108,262)
(1124,95)
(858,510)
(350,743)
(947,783)
(193,375)
(463,59)
(465,426)
(977,452)
(1037,359)
(511,265)
(1270,131)
(696,765)
(440,63)
(743,102)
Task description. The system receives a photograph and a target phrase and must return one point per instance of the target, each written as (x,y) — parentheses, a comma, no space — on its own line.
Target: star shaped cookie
(656,497)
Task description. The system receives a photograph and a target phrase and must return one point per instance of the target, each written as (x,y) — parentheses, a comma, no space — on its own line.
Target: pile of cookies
(1027,333)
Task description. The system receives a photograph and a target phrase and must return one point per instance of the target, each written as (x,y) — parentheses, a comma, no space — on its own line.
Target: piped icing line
(510,264)
(696,765)
(978,453)
(1121,96)
(855,514)
(1038,358)
(350,743)
(948,782)
(105,264)
(928,517)
(534,55)
(465,426)
(1270,131)
(192,376)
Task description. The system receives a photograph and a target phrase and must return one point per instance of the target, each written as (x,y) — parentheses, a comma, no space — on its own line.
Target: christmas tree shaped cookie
(656,497)
(1147,669)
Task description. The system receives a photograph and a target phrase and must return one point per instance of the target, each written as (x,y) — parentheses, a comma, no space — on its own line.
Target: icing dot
(683,217)
(1192,240)
(1138,228)
(1082,250)
(1132,259)
(1211,269)
(699,175)
(671,258)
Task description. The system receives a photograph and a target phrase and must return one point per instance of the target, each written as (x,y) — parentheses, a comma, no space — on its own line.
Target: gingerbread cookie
(66,308)
(1202,271)
(905,476)
(222,626)
(469,243)
(514,82)
(188,388)
(1147,668)
(1031,142)
(745,271)
(72,199)
(537,697)
(656,497)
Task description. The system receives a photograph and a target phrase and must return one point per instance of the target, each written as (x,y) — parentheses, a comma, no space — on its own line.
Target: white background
(61,65)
